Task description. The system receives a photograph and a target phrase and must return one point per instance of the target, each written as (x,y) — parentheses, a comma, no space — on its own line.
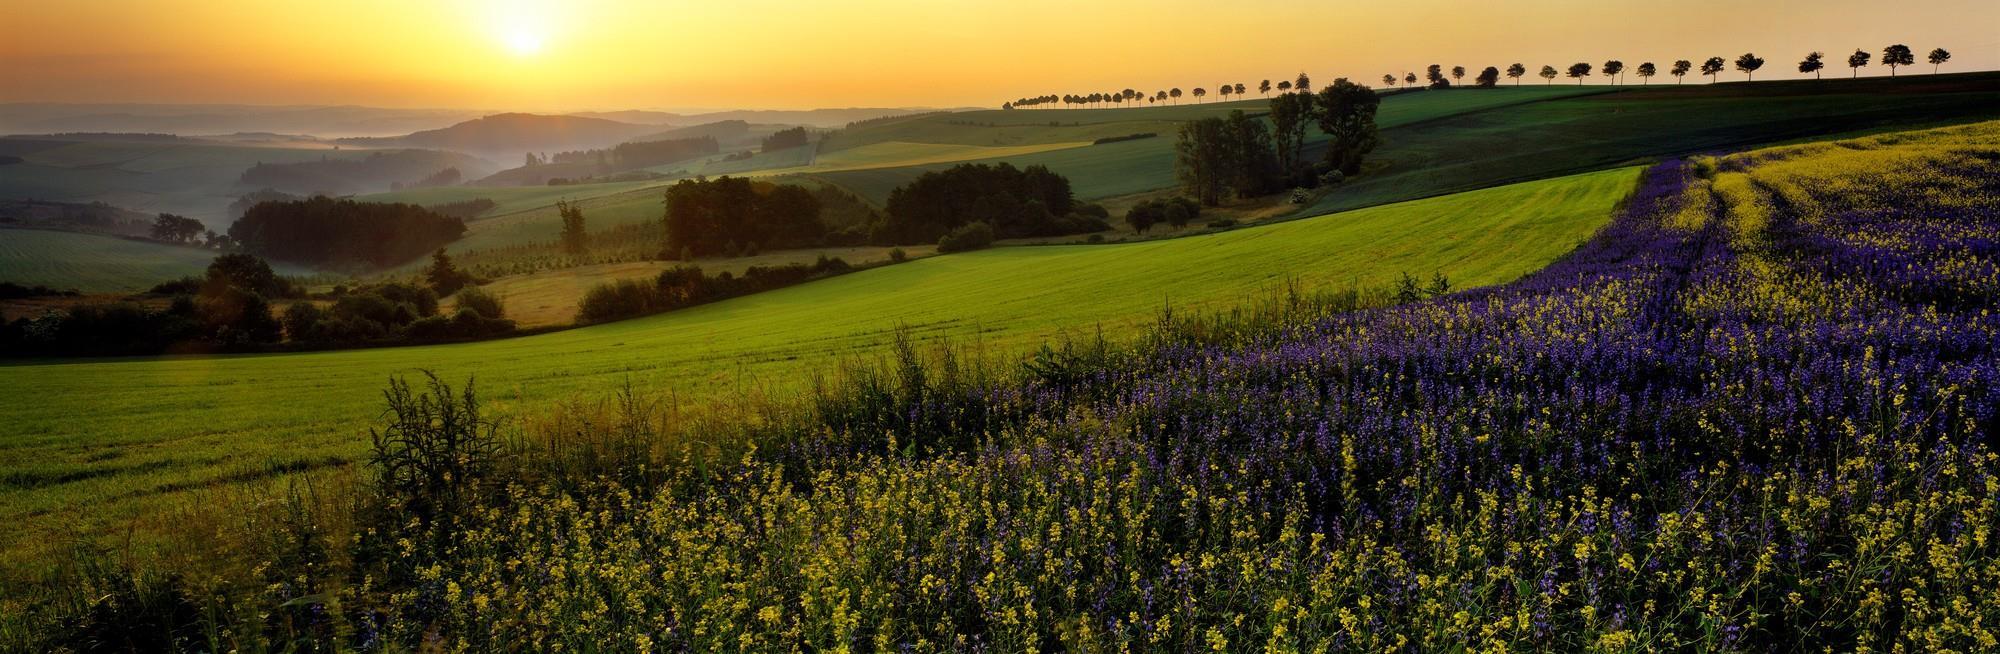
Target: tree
(176,229)
(1304,83)
(1812,63)
(1613,69)
(1264,88)
(1897,55)
(1175,94)
(1646,72)
(1680,70)
(443,275)
(1285,86)
(1201,156)
(1937,58)
(1548,73)
(1435,75)
(1389,80)
(1711,68)
(1515,72)
(1578,71)
(1290,114)
(1347,113)
(1457,73)
(1143,216)
(1198,92)
(1488,78)
(1241,90)
(1409,79)
(575,239)
(1856,61)
(1749,63)
(244,272)
(1225,90)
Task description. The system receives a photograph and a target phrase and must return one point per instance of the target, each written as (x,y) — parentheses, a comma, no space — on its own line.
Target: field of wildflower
(1757,412)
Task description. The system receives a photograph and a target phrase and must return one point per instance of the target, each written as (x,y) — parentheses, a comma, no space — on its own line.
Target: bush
(480,302)
(624,298)
(897,255)
(972,236)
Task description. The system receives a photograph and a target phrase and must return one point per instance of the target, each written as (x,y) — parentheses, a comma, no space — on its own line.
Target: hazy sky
(548,55)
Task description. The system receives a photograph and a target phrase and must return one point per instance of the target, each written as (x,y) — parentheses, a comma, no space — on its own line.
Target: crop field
(95,263)
(550,298)
(1755,413)
(114,437)
(1540,139)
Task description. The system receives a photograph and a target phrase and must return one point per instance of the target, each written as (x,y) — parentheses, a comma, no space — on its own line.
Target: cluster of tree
(686,285)
(637,154)
(1748,63)
(1127,137)
(170,228)
(786,138)
(1216,157)
(1176,211)
(465,209)
(1013,202)
(968,237)
(1303,83)
(227,310)
(729,214)
(243,202)
(395,313)
(335,176)
(331,233)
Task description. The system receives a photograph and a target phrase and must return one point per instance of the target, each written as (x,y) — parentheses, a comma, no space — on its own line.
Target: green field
(112,439)
(94,263)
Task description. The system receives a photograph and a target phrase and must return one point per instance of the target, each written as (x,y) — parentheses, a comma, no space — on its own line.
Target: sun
(522,42)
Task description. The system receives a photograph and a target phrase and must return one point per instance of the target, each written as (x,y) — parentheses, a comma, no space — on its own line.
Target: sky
(570,55)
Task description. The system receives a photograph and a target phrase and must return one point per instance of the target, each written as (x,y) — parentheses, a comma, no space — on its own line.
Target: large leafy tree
(1389,80)
(1578,71)
(1613,69)
(1812,63)
(1856,61)
(1291,113)
(1457,73)
(1646,71)
(1304,83)
(1896,56)
(1264,88)
(1488,78)
(1748,64)
(1515,72)
(1937,58)
(1680,70)
(1409,79)
(1347,113)
(1549,73)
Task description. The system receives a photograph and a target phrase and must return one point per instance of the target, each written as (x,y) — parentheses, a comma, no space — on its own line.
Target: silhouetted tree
(1937,58)
(176,229)
(1225,91)
(1749,63)
(1290,114)
(1897,55)
(1285,86)
(1856,61)
(1613,69)
(1264,88)
(1680,70)
(1198,92)
(1303,83)
(1488,78)
(443,275)
(1812,63)
(1347,113)
(1548,73)
(1241,90)
(575,238)
(1712,67)
(1646,71)
(1515,72)
(1435,75)
(1578,71)
(1175,94)
(1389,80)
(1457,73)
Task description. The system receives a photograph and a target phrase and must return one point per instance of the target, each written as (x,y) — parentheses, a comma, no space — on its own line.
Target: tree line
(635,154)
(1893,56)
(343,234)
(1011,202)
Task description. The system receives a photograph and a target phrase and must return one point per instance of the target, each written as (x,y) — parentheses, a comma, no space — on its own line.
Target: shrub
(972,236)
(898,255)
(480,302)
(623,298)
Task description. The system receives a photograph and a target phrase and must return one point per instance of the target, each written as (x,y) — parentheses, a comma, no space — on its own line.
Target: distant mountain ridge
(823,118)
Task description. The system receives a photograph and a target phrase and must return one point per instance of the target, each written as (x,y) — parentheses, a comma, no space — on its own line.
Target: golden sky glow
(548,55)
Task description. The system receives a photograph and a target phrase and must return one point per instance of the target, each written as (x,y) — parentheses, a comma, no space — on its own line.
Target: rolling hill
(118,437)
(506,136)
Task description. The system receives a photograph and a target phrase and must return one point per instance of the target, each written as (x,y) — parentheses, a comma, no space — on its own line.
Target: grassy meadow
(95,263)
(112,439)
